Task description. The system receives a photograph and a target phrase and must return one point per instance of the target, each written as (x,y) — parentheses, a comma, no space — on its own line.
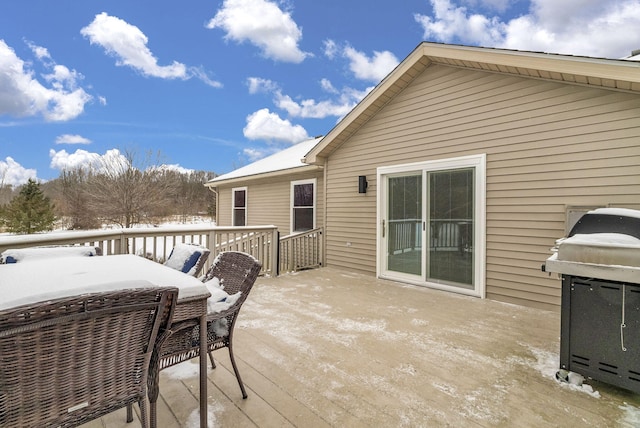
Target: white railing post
(274,252)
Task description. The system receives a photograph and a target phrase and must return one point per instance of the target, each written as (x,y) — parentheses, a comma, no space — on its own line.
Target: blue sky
(214,85)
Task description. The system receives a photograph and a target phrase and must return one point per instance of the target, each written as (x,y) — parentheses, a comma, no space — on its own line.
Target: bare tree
(72,196)
(192,197)
(120,190)
(125,192)
(6,190)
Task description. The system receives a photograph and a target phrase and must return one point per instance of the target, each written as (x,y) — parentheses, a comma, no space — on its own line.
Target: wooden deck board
(329,348)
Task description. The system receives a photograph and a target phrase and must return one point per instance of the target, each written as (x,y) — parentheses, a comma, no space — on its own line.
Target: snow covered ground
(358,351)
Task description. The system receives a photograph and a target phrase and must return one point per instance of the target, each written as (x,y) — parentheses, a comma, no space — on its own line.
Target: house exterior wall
(549,146)
(269,201)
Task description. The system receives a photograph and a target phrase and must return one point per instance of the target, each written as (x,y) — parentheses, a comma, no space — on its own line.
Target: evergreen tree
(30,211)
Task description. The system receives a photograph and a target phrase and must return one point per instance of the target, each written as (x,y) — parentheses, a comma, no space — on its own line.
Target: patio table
(48,278)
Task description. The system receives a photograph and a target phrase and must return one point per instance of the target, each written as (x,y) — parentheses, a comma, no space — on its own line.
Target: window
(303,205)
(239,206)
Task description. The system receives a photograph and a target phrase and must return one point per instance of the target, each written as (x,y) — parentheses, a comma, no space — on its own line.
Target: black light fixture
(362,184)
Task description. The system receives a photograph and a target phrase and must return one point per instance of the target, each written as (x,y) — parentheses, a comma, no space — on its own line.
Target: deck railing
(444,235)
(301,251)
(156,243)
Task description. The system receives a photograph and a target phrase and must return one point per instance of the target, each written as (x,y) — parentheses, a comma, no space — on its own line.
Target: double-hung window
(303,205)
(239,206)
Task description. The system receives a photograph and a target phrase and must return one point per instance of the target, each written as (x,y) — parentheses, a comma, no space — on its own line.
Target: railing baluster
(299,251)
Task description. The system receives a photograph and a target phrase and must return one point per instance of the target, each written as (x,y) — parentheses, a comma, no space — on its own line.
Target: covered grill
(600,315)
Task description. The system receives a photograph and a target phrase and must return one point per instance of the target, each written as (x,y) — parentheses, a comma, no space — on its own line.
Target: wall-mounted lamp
(362,184)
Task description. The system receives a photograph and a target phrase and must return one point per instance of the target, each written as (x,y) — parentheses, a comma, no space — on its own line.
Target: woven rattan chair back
(237,272)
(68,361)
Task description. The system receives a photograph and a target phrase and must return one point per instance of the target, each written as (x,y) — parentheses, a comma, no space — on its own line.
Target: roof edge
(604,68)
(260,176)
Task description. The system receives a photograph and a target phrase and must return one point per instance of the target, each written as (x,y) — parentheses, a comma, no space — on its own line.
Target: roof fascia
(602,68)
(265,175)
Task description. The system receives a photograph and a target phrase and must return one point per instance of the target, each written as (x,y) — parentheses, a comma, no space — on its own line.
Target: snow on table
(52,278)
(29,254)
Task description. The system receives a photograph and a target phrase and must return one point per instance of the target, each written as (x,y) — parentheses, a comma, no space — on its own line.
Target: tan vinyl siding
(549,145)
(269,201)
(223,210)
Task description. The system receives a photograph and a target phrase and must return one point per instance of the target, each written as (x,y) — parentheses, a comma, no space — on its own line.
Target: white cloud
(173,167)
(22,95)
(597,28)
(330,48)
(62,77)
(14,174)
(61,160)
(264,125)
(40,52)
(373,68)
(112,162)
(453,22)
(345,101)
(201,74)
(310,108)
(254,154)
(257,85)
(263,24)
(342,103)
(128,44)
(327,86)
(72,139)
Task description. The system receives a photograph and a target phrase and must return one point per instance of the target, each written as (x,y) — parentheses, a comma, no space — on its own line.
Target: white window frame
(313,181)
(478,162)
(233,205)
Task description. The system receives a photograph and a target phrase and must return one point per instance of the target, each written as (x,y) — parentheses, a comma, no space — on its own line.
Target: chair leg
(143,413)
(129,413)
(213,363)
(153,411)
(235,369)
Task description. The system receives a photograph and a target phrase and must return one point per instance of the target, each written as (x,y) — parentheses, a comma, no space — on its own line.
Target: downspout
(325,164)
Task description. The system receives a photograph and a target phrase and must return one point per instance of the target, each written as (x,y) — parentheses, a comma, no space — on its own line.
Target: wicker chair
(70,360)
(237,272)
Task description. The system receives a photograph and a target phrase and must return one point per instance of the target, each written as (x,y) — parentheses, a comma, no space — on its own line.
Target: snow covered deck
(329,348)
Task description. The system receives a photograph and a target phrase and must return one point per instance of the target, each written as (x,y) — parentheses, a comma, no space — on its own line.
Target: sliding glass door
(450,231)
(431,222)
(404,224)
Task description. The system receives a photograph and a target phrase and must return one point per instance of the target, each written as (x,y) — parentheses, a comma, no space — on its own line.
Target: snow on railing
(156,243)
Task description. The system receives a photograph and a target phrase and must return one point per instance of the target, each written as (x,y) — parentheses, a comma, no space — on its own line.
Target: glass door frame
(478,163)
